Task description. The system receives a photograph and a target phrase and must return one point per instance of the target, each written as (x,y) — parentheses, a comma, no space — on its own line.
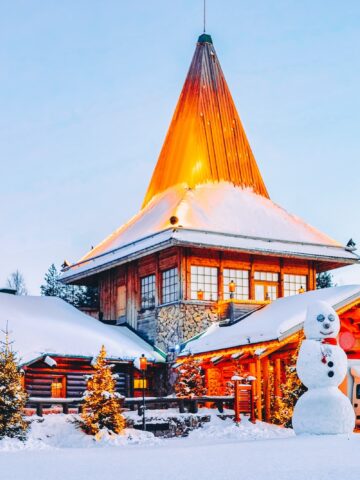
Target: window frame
(147,304)
(288,291)
(266,282)
(204,272)
(61,391)
(239,289)
(173,286)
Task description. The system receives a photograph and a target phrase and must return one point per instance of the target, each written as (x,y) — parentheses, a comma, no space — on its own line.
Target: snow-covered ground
(220,450)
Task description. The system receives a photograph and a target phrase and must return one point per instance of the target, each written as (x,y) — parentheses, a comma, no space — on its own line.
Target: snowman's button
(331,373)
(330,364)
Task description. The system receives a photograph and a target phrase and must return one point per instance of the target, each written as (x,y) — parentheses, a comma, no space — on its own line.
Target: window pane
(259,292)
(148,292)
(204,282)
(240,278)
(170,283)
(294,283)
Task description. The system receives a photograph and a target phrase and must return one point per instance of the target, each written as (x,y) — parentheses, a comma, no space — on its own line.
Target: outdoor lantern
(301,290)
(143,363)
(200,294)
(232,286)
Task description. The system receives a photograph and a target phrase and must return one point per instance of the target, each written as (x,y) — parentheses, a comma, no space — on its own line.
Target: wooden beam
(258,389)
(277,377)
(265,367)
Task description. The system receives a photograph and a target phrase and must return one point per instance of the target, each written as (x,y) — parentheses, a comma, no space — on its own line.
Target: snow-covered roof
(48,325)
(217,215)
(274,321)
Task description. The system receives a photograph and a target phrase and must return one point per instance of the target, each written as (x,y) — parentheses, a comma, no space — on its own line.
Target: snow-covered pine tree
(52,286)
(324,280)
(102,404)
(190,380)
(77,295)
(12,395)
(291,390)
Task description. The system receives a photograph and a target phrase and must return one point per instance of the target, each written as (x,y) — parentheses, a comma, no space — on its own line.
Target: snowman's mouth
(326,333)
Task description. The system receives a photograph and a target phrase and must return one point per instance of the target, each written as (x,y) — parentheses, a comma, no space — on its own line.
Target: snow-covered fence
(184,404)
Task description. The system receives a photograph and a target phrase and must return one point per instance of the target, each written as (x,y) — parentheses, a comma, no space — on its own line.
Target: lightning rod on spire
(204,16)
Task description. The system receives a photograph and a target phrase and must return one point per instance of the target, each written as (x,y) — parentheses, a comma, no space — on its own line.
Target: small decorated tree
(190,380)
(291,390)
(102,404)
(12,395)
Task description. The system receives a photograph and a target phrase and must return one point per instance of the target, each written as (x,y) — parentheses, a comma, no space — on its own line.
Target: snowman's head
(321,322)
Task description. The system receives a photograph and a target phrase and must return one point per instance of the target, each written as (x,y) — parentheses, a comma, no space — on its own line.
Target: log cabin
(263,344)
(208,244)
(56,345)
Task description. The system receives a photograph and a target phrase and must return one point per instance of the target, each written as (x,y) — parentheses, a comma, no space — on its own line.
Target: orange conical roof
(206,141)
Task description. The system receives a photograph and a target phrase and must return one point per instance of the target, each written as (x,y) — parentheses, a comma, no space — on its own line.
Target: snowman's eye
(331,317)
(320,317)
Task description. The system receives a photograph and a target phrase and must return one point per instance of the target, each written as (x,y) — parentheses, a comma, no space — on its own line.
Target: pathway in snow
(219,451)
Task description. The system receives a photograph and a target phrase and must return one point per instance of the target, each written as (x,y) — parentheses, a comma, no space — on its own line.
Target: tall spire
(206,141)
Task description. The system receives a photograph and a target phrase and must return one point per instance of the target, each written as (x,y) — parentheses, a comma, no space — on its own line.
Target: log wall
(71,372)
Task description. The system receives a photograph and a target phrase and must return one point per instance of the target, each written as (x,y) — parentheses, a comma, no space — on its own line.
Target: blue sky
(88,88)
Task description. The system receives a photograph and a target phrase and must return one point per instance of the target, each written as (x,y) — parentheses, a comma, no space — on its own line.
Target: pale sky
(88,88)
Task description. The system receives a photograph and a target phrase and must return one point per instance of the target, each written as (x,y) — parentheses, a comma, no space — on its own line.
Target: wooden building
(208,243)
(263,344)
(57,344)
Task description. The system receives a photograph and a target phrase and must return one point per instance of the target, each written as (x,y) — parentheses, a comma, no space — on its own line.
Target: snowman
(322,366)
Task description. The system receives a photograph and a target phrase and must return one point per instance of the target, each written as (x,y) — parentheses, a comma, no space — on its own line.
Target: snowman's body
(322,366)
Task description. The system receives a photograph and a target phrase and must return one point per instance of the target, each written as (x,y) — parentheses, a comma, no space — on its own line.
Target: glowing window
(140,383)
(266,276)
(204,283)
(241,280)
(58,388)
(293,284)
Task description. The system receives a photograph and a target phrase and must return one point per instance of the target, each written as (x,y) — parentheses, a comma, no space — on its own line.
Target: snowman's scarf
(326,352)
(329,341)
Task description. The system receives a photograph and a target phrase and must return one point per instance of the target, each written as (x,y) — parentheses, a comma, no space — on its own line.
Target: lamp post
(232,288)
(143,367)
(301,289)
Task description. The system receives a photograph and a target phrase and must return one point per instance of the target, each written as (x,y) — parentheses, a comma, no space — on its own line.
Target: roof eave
(335,261)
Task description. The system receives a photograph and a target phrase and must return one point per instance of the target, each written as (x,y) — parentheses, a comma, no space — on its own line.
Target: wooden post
(39,410)
(251,279)
(237,418)
(258,389)
(277,378)
(281,275)
(266,387)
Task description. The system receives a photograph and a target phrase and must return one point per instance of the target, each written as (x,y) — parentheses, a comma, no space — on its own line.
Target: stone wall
(168,426)
(179,322)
